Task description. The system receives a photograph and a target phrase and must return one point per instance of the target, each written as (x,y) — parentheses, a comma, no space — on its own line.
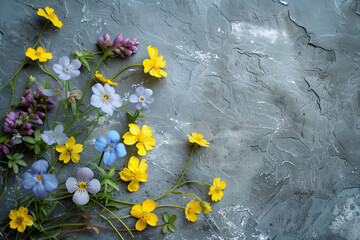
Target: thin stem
(112,226)
(5,181)
(52,155)
(170,206)
(102,155)
(118,201)
(191,194)
(128,155)
(194,182)
(132,65)
(42,30)
(60,169)
(55,199)
(53,166)
(64,225)
(16,192)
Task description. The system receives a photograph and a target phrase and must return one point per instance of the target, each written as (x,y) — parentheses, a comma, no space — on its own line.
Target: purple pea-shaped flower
(82,185)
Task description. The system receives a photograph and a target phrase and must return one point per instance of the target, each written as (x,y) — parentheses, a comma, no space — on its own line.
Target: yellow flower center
(217,189)
(110,146)
(57,91)
(15,139)
(19,220)
(142,99)
(52,136)
(82,186)
(39,177)
(137,176)
(146,216)
(106,97)
(38,54)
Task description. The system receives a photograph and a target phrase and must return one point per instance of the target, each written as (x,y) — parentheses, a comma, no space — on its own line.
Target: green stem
(100,160)
(60,169)
(128,203)
(49,73)
(42,30)
(52,155)
(55,199)
(170,206)
(112,226)
(16,192)
(132,65)
(53,166)
(64,225)
(128,155)
(195,182)
(5,181)
(191,194)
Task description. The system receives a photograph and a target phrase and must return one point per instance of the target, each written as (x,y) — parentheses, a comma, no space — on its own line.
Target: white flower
(104,97)
(67,69)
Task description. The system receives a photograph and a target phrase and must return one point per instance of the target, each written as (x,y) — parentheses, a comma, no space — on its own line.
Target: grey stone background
(272,84)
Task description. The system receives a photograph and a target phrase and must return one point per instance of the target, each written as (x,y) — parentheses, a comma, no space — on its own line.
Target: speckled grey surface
(273,85)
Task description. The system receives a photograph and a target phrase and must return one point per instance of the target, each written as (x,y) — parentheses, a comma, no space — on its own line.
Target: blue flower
(112,147)
(50,137)
(40,182)
(16,139)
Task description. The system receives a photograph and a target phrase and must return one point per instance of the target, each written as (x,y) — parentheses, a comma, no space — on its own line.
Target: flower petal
(75,157)
(133,164)
(48,92)
(14,214)
(77,148)
(64,61)
(136,211)
(153,219)
(70,142)
(39,190)
(140,91)
(50,182)
(40,166)
(98,89)
(71,184)
(143,166)
(109,89)
(94,186)
(81,197)
(28,180)
(141,149)
(96,101)
(58,68)
(134,98)
(114,136)
(101,144)
(148,205)
(65,156)
(64,76)
(140,225)
(74,73)
(84,175)
(133,186)
(116,100)
(126,175)
(134,129)
(222,185)
(59,129)
(109,157)
(75,64)
(107,107)
(147,93)
(130,139)
(120,150)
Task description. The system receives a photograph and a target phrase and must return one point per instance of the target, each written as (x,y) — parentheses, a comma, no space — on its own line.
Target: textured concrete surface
(272,84)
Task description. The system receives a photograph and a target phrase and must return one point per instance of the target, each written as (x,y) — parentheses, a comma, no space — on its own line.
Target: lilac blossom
(56,136)
(142,98)
(104,97)
(55,93)
(112,147)
(123,46)
(39,181)
(104,41)
(5,148)
(18,122)
(67,69)
(83,184)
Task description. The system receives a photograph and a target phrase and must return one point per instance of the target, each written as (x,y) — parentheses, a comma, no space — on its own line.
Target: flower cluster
(121,46)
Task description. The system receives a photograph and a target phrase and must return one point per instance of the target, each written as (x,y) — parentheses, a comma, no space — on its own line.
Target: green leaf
(112,184)
(10,164)
(166,217)
(77,52)
(141,116)
(10,156)
(85,62)
(37,149)
(3,139)
(172,227)
(73,108)
(37,135)
(15,168)
(21,162)
(112,171)
(37,226)
(18,156)
(114,205)
(28,139)
(164,230)
(98,168)
(172,219)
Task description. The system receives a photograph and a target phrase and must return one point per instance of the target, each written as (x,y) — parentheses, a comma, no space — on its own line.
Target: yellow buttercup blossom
(134,173)
(191,210)
(198,139)
(101,78)
(69,151)
(20,219)
(143,138)
(143,211)
(205,206)
(49,14)
(40,53)
(215,190)
(154,64)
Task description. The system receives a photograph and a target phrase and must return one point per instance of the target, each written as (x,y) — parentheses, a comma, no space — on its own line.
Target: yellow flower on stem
(191,210)
(20,219)
(134,173)
(40,53)
(143,138)
(205,206)
(69,151)
(143,211)
(215,190)
(101,78)
(49,14)
(198,139)
(154,64)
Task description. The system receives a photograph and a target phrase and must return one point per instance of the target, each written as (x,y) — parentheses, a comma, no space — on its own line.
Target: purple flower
(112,147)
(50,137)
(16,139)
(5,148)
(104,41)
(55,92)
(124,47)
(104,97)
(40,182)
(142,98)
(18,122)
(67,69)
(82,185)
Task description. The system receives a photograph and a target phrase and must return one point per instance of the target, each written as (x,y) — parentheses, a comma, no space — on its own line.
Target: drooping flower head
(83,184)
(134,173)
(67,69)
(142,98)
(74,95)
(40,53)
(39,181)
(144,212)
(124,46)
(102,79)
(16,139)
(198,139)
(154,64)
(191,210)
(205,206)
(5,148)
(69,151)
(216,190)
(143,138)
(104,97)
(18,123)
(112,147)
(20,219)
(55,93)
(54,136)
(49,14)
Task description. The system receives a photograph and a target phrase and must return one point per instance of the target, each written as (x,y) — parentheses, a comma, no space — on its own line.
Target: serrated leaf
(172,227)
(15,168)
(21,162)
(166,217)
(164,230)
(172,219)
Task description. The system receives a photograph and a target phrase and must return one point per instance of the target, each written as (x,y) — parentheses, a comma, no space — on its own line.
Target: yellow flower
(49,14)
(215,190)
(205,206)
(20,219)
(143,211)
(40,53)
(198,139)
(134,173)
(191,210)
(154,64)
(101,78)
(143,138)
(69,151)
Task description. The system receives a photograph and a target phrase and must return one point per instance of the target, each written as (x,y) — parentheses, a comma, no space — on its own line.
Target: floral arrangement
(47,210)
